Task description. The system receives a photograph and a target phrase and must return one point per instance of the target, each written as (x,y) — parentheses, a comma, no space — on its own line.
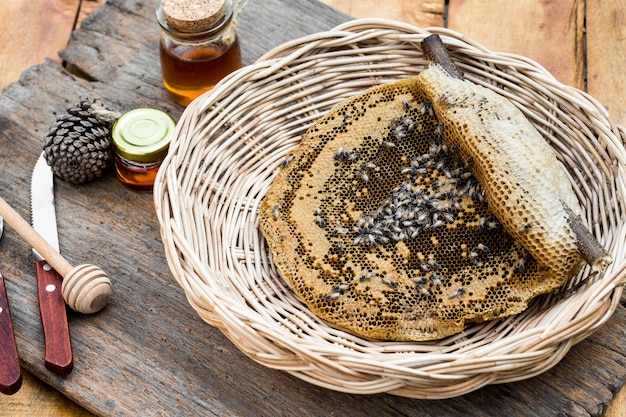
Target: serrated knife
(58,347)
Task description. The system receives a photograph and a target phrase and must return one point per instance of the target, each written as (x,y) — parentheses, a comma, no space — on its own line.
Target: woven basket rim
(229,143)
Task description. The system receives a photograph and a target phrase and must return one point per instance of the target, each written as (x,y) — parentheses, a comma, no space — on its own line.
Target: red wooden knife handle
(10,373)
(56,331)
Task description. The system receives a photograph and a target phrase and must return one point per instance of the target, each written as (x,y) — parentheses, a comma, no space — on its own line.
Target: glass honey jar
(198,46)
(141,138)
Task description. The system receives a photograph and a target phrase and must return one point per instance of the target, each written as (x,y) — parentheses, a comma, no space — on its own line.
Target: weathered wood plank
(36,399)
(19,50)
(53,22)
(148,352)
(606,56)
(421,13)
(550,32)
(86,8)
(606,60)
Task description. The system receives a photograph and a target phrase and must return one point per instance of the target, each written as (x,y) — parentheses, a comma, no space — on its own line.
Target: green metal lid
(143,134)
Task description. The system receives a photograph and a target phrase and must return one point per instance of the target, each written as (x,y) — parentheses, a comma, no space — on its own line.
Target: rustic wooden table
(579,42)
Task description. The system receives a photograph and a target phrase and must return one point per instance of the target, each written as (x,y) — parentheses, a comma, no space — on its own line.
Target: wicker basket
(230,143)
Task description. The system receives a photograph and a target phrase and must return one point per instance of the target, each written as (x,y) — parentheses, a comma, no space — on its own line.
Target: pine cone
(78,145)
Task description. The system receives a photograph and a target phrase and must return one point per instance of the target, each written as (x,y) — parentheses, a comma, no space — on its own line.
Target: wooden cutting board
(148,353)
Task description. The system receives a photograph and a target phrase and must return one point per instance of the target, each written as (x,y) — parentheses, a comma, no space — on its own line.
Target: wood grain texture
(550,32)
(421,13)
(49,24)
(37,399)
(606,56)
(149,314)
(22,48)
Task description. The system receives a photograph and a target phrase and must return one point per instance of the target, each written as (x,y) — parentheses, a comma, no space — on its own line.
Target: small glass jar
(198,47)
(141,138)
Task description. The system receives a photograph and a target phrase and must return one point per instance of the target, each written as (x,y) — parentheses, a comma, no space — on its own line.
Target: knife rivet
(51,287)
(1,310)
(47,267)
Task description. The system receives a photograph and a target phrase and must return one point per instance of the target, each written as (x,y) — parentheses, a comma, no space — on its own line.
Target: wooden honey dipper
(86,288)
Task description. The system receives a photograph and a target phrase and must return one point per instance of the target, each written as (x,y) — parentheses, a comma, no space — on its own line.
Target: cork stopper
(193,15)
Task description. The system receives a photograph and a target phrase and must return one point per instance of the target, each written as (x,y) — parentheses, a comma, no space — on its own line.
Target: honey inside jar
(140,178)
(188,72)
(198,47)
(141,139)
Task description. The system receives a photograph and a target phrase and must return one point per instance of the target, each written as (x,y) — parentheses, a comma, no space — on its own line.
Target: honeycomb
(382,229)
(526,185)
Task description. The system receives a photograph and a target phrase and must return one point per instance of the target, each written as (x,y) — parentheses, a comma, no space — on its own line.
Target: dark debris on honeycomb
(382,230)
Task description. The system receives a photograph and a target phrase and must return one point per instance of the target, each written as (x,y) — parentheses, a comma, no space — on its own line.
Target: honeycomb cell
(410,249)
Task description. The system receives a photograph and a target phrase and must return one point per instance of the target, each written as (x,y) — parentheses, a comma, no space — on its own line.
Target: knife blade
(10,371)
(58,347)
